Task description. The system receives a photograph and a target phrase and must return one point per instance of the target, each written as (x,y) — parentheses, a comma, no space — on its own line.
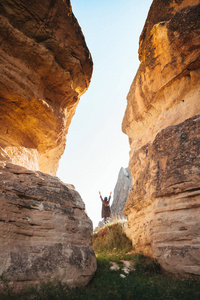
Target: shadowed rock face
(163,125)
(45,233)
(45,67)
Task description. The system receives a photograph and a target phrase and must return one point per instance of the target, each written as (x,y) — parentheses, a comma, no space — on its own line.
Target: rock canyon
(45,233)
(45,66)
(162,121)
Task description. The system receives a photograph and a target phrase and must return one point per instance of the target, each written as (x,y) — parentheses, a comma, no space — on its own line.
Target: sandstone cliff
(163,124)
(45,67)
(121,192)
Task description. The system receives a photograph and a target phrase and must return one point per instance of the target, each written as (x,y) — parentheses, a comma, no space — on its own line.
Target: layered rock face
(121,192)
(45,233)
(45,67)
(163,124)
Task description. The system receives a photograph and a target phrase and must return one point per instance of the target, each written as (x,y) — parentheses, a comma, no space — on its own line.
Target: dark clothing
(105,212)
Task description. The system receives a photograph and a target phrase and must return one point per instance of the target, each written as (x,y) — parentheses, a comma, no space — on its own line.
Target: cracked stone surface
(162,121)
(45,232)
(45,66)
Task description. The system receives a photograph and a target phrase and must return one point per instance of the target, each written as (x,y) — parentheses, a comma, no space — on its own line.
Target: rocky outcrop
(45,232)
(121,192)
(45,67)
(163,124)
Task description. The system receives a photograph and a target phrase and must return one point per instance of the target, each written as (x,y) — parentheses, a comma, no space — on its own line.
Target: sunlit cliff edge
(162,121)
(45,66)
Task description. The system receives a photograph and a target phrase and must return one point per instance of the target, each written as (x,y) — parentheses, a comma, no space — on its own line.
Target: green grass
(112,241)
(146,282)
(108,285)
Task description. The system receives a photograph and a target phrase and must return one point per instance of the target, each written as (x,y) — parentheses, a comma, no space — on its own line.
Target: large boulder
(163,124)
(45,233)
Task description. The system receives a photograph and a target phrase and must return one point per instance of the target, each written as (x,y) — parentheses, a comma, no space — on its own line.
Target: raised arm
(100,196)
(110,196)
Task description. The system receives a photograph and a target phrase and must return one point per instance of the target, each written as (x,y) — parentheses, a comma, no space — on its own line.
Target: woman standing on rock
(105,212)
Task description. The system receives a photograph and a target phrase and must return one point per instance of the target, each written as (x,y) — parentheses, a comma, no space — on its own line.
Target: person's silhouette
(105,212)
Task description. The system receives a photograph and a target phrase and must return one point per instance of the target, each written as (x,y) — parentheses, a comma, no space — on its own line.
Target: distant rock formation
(162,121)
(45,233)
(121,192)
(45,66)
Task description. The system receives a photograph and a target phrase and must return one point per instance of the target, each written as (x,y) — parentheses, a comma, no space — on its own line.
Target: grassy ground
(111,241)
(146,282)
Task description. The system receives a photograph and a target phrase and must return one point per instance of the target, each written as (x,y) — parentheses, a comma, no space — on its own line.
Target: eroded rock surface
(121,192)
(45,67)
(45,232)
(163,124)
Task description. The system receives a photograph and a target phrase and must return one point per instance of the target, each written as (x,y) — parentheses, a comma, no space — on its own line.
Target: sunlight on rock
(162,121)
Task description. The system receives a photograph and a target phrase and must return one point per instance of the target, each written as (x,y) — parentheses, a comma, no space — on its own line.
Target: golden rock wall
(163,125)
(45,67)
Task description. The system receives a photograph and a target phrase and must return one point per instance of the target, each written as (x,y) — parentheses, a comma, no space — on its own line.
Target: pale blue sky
(96,148)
